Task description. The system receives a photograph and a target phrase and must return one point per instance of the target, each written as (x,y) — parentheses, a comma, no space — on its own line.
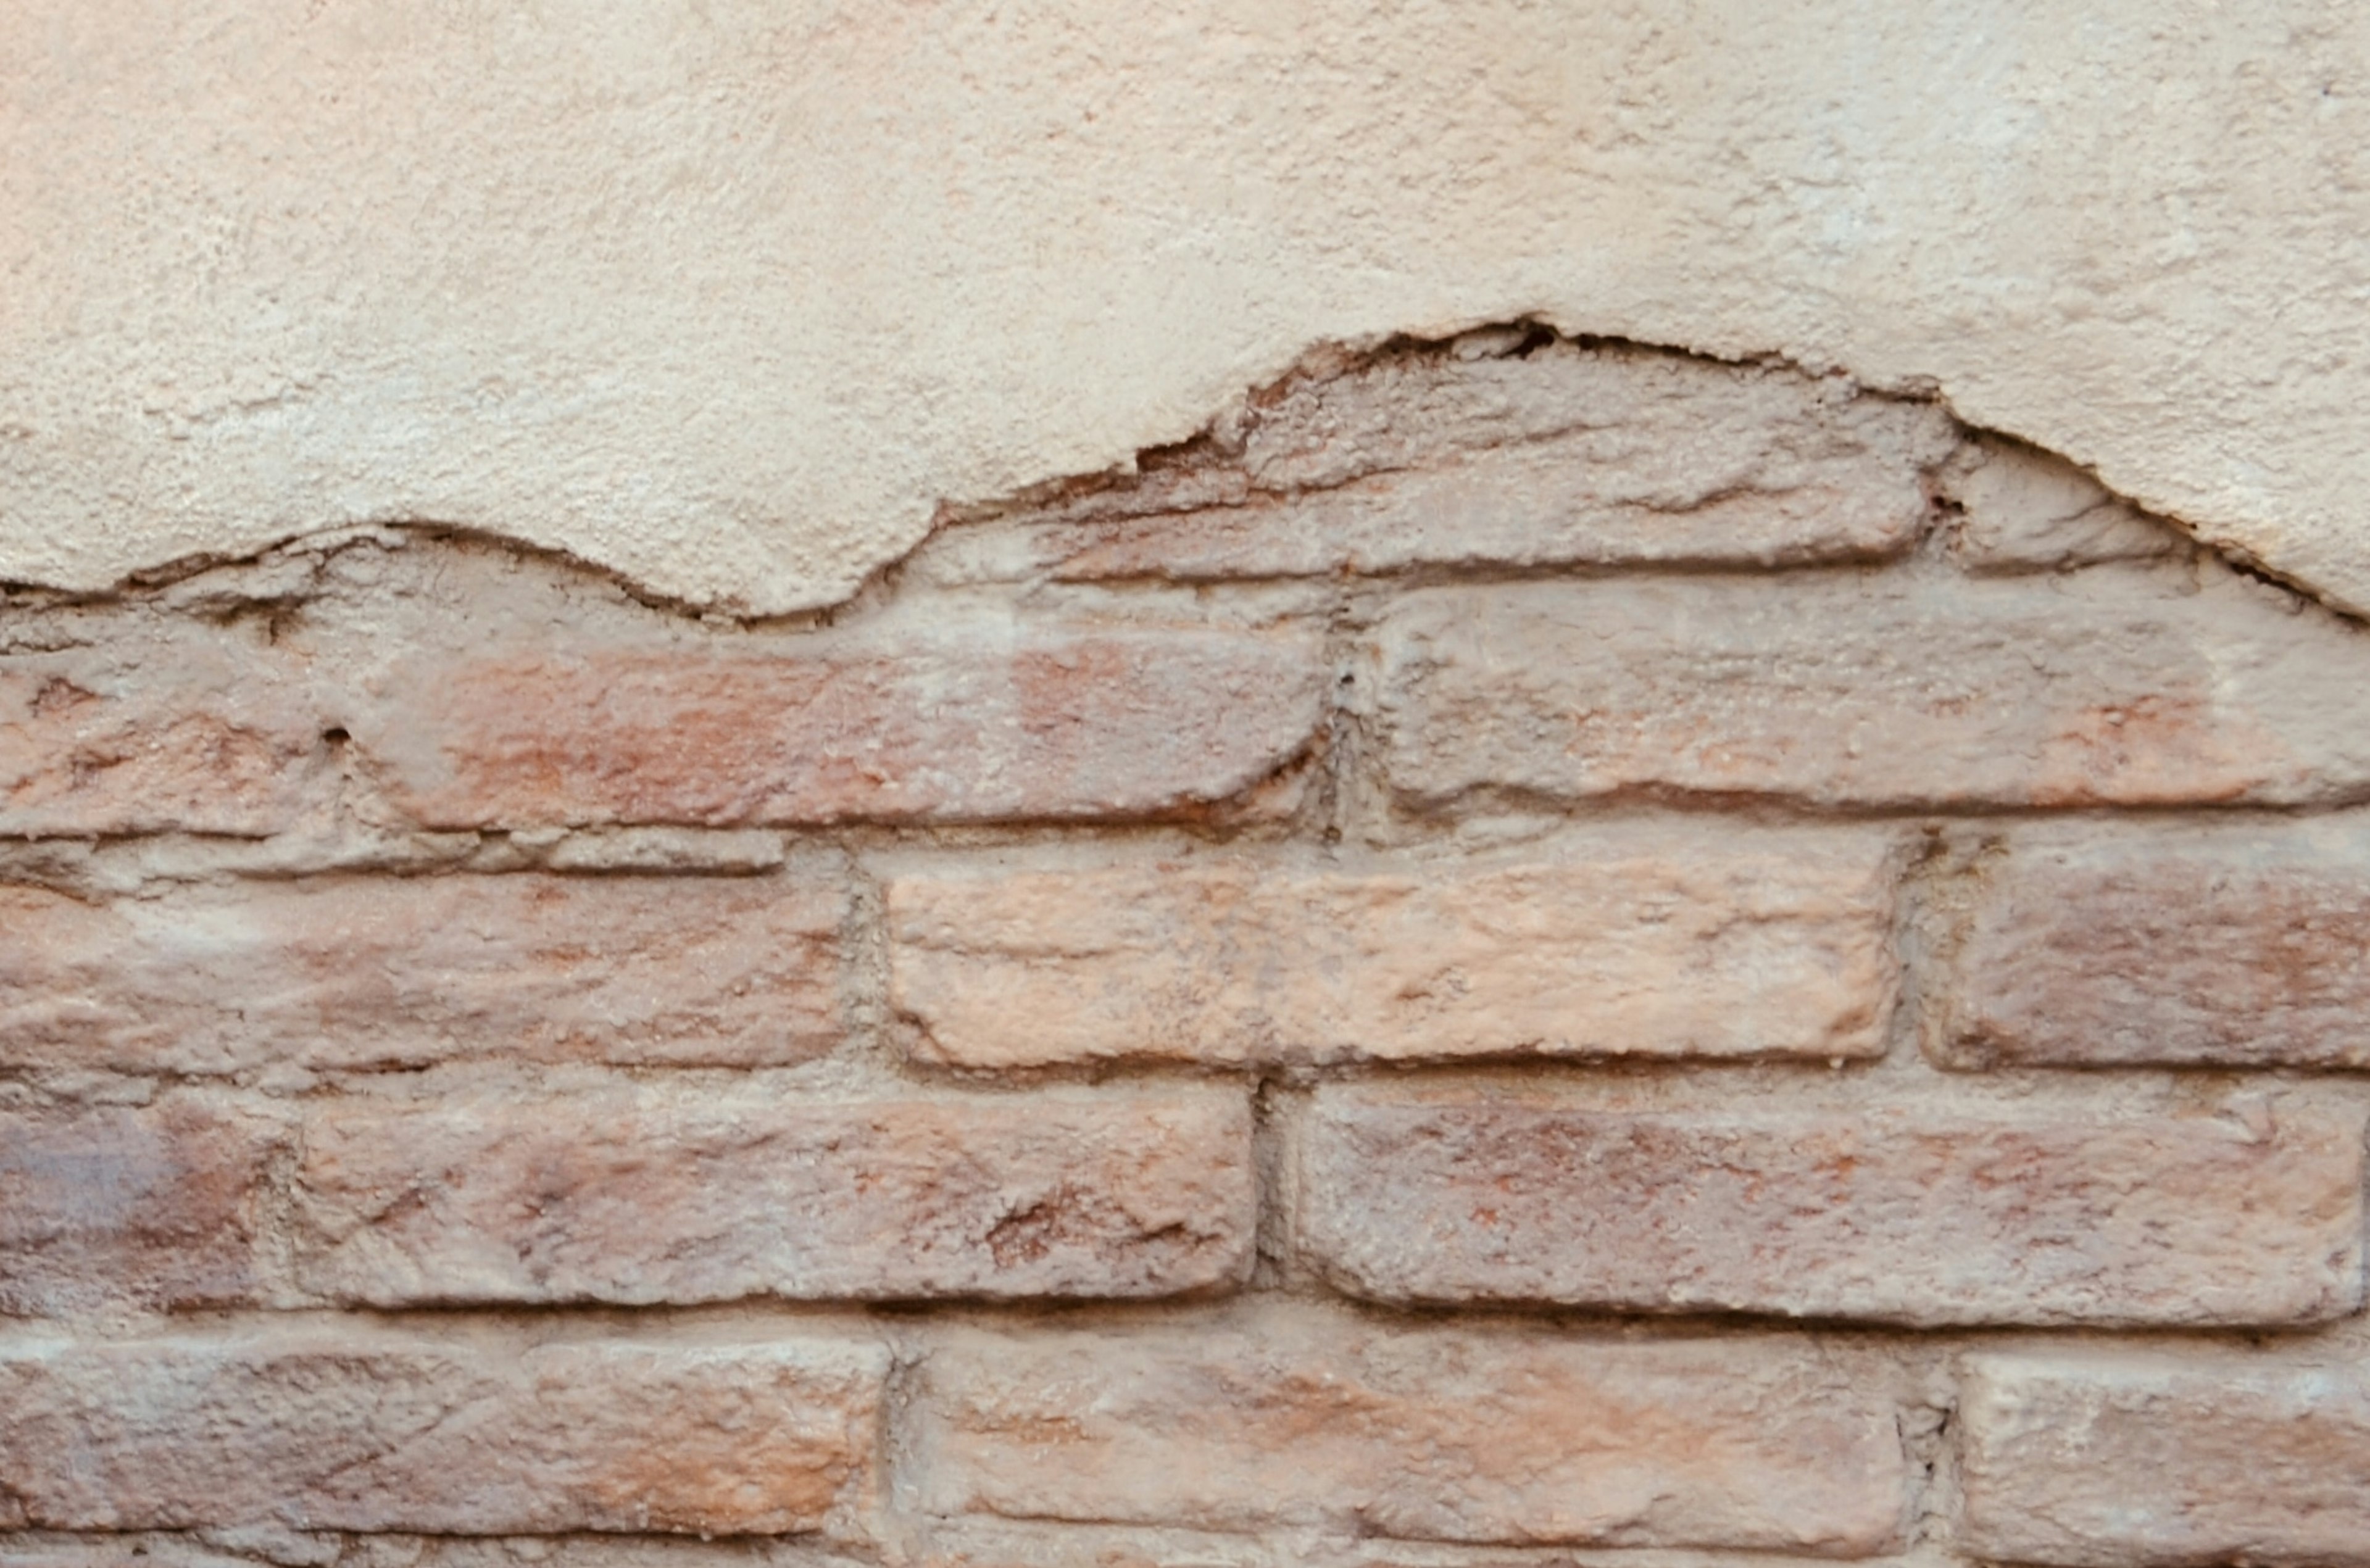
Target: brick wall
(1529,946)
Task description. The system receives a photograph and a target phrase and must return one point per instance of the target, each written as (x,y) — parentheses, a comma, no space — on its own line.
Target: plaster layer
(729,297)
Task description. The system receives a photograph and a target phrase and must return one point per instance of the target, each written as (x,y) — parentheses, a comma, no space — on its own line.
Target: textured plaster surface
(728,296)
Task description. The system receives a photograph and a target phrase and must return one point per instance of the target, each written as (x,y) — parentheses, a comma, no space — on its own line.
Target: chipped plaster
(729,297)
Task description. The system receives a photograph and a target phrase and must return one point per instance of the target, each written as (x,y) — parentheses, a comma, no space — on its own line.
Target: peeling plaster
(732,298)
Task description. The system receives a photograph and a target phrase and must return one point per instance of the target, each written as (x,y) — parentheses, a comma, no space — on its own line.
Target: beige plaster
(729,295)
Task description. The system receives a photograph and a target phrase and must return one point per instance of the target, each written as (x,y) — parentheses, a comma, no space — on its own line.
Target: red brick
(185,729)
(1332,1424)
(664,1196)
(2099,689)
(355,1431)
(2095,1459)
(985,728)
(154,1206)
(366,972)
(1900,1216)
(2240,948)
(1623,944)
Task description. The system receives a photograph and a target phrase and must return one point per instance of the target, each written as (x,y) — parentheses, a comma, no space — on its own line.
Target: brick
(371,972)
(2112,688)
(665,1196)
(153,730)
(154,1206)
(2023,510)
(362,1432)
(1570,456)
(2239,948)
(992,727)
(1626,944)
(1897,1216)
(1338,1425)
(2113,1459)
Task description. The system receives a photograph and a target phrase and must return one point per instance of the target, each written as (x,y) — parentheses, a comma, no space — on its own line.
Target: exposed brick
(1741,1443)
(2026,511)
(2102,688)
(151,1207)
(1705,944)
(1569,456)
(1907,1217)
(153,730)
(362,1432)
(669,1196)
(365,972)
(983,729)
(2108,1460)
(2242,948)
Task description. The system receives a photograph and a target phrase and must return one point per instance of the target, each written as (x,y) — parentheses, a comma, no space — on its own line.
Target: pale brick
(2027,510)
(2103,688)
(1905,1217)
(1626,944)
(1569,456)
(356,1432)
(148,730)
(2100,1461)
(366,972)
(1565,502)
(154,1206)
(1334,1424)
(2244,948)
(989,728)
(678,1197)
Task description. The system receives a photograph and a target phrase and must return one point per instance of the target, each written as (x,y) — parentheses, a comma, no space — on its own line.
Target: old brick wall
(1530,949)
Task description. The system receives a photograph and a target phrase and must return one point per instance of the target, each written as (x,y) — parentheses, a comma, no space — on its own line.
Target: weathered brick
(1905,1217)
(363,972)
(2244,948)
(364,1432)
(2100,1461)
(2102,688)
(980,729)
(2027,510)
(1330,1424)
(154,1206)
(1626,943)
(152,730)
(1567,456)
(667,1196)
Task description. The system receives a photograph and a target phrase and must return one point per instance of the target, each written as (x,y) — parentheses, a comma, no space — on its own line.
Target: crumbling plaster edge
(952,511)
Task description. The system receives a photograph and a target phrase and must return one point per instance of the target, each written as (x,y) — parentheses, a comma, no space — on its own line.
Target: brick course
(1528,946)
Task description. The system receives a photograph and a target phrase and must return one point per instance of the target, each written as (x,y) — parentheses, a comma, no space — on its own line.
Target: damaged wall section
(1528,944)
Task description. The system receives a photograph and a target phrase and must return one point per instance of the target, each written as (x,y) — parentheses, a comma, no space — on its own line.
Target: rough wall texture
(728,295)
(1532,952)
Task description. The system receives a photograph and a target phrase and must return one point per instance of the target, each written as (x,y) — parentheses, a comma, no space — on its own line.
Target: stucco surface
(730,295)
